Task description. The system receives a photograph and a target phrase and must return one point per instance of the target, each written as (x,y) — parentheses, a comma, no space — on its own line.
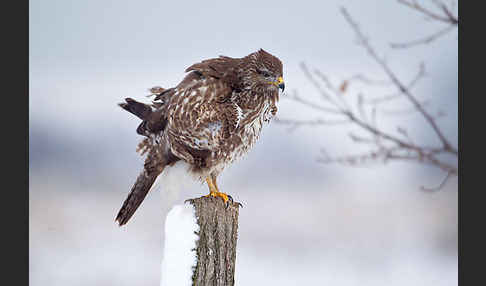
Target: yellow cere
(279,81)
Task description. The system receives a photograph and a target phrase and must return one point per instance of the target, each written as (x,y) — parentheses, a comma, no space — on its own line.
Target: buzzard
(210,119)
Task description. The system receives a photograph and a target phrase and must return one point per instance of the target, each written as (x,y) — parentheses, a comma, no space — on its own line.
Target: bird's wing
(222,68)
(201,115)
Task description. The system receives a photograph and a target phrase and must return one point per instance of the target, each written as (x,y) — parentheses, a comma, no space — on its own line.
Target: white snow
(179,258)
(172,181)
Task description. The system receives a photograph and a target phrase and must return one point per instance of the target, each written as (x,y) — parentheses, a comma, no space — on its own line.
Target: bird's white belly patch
(173,180)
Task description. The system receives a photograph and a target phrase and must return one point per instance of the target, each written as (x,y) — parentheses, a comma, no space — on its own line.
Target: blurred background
(303,222)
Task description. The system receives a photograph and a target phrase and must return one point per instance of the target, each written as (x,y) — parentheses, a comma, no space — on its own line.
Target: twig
(364,41)
(447,18)
(440,186)
(386,146)
(422,41)
(420,74)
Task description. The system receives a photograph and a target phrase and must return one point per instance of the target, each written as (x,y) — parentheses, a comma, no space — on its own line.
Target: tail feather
(137,194)
(139,109)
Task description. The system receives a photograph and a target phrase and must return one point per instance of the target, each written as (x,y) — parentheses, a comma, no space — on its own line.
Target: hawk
(210,119)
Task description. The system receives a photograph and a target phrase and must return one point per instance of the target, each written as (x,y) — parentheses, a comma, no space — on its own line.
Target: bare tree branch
(404,111)
(383,146)
(403,89)
(446,17)
(323,93)
(423,41)
(440,186)
(413,82)
(384,155)
(366,80)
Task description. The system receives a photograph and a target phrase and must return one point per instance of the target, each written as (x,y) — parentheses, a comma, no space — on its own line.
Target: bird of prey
(210,119)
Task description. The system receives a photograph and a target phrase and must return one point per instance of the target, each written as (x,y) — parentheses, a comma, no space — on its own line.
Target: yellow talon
(219,194)
(214,192)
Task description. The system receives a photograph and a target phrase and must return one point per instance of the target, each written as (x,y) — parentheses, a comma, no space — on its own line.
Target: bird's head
(263,71)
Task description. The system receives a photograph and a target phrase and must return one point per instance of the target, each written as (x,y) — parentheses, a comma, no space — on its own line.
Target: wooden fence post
(215,246)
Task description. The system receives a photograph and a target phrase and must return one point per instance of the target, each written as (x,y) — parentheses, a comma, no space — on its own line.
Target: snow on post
(180,241)
(200,243)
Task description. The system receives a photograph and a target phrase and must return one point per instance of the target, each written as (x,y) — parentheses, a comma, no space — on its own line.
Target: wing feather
(201,115)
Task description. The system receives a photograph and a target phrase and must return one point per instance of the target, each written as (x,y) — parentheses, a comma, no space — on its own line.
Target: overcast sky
(86,56)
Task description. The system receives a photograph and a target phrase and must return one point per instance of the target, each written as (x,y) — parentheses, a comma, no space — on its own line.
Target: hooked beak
(281,83)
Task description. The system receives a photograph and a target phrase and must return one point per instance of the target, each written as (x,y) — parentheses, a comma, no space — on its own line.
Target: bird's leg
(214,191)
(216,185)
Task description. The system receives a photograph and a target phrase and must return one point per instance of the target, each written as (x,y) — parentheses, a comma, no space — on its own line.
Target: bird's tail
(139,109)
(137,194)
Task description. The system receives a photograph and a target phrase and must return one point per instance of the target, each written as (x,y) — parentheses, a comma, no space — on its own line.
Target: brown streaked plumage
(210,119)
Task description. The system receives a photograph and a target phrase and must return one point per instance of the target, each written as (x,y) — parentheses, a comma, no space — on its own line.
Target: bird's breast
(249,130)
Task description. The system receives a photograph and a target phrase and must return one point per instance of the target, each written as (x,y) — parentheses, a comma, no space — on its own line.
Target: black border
(471,234)
(15,136)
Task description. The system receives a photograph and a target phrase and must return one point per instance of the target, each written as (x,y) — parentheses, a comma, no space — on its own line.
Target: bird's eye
(265,73)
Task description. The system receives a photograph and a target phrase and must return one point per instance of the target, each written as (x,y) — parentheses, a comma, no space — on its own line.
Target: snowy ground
(339,237)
